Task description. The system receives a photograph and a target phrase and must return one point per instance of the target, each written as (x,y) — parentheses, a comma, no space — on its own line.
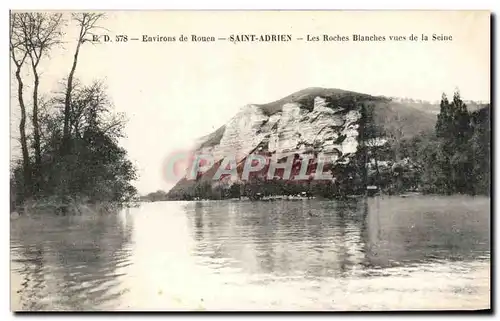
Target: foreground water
(385,253)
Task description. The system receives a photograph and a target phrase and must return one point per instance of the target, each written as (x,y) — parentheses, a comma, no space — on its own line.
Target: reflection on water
(69,263)
(286,238)
(376,253)
(312,238)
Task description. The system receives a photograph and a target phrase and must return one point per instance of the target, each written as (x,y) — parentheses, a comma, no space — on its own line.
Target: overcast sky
(173,93)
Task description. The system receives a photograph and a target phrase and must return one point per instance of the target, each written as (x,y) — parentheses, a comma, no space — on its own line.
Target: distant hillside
(313,119)
(306,96)
(415,116)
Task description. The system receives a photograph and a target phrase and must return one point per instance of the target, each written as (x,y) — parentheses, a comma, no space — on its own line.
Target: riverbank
(297,197)
(70,207)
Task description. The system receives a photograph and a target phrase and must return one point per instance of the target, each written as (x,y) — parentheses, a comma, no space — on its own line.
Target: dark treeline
(69,139)
(456,157)
(453,158)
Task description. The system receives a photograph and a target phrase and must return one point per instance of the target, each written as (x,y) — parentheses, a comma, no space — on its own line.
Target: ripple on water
(386,253)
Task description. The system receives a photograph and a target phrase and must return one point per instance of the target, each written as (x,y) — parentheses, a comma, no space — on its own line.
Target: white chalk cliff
(313,120)
(294,129)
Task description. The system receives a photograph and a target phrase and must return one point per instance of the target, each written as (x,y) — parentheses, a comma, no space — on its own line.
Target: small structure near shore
(371,190)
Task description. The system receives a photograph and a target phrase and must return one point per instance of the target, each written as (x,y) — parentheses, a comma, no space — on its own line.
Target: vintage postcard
(250,160)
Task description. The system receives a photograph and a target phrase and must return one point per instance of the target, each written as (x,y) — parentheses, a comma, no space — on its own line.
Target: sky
(173,93)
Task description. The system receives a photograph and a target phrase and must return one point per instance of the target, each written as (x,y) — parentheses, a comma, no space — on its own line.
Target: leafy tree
(480,150)
(235,191)
(95,168)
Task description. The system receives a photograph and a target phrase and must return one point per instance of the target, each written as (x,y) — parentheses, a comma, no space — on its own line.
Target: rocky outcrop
(326,128)
(314,120)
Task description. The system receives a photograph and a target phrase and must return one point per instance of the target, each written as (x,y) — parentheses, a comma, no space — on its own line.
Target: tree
(453,128)
(39,33)
(87,23)
(395,133)
(99,167)
(18,55)
(235,190)
(480,150)
(444,118)
(449,161)
(371,143)
(96,168)
(159,195)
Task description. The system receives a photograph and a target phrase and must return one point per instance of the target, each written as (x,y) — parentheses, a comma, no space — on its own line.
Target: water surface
(367,254)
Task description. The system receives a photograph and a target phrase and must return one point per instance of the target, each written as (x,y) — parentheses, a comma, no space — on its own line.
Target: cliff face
(324,128)
(314,120)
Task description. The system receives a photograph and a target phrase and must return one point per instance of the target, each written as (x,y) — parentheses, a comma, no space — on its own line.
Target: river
(382,253)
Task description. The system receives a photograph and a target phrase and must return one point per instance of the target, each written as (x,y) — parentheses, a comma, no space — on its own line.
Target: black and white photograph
(259,160)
